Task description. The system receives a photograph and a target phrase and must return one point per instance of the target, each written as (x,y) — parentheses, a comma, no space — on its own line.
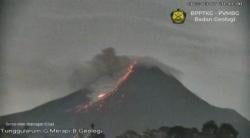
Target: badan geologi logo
(178,16)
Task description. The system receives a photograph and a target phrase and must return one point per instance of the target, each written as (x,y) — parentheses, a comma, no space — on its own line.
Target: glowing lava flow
(101,95)
(125,76)
(104,95)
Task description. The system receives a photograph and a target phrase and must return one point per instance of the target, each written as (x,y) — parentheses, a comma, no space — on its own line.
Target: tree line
(209,130)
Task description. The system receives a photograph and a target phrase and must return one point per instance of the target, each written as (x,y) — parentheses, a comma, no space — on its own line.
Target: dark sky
(44,41)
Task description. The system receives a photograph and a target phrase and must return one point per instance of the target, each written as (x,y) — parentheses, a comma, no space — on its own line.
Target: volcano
(148,98)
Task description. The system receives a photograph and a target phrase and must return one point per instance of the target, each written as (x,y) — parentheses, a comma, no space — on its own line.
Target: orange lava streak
(125,76)
(102,96)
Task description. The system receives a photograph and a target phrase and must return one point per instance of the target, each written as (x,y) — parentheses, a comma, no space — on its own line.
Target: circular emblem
(178,16)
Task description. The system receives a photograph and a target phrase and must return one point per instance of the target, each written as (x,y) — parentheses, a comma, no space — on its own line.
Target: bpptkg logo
(178,16)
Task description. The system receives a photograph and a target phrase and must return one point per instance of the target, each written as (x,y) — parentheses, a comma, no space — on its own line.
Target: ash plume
(106,64)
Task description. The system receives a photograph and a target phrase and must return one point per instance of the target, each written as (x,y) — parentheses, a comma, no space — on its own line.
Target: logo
(178,16)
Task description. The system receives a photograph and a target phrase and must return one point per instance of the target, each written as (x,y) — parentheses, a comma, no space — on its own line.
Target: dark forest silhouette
(209,130)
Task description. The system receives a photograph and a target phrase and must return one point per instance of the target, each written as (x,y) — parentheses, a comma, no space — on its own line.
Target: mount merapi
(149,98)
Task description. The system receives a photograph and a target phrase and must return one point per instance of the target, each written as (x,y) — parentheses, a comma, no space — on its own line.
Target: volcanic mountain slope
(149,98)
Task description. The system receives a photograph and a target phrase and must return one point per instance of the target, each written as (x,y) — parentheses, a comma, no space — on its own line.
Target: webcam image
(124,69)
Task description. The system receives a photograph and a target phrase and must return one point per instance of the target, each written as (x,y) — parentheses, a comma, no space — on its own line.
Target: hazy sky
(44,41)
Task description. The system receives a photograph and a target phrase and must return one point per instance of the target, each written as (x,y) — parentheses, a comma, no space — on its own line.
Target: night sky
(45,41)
